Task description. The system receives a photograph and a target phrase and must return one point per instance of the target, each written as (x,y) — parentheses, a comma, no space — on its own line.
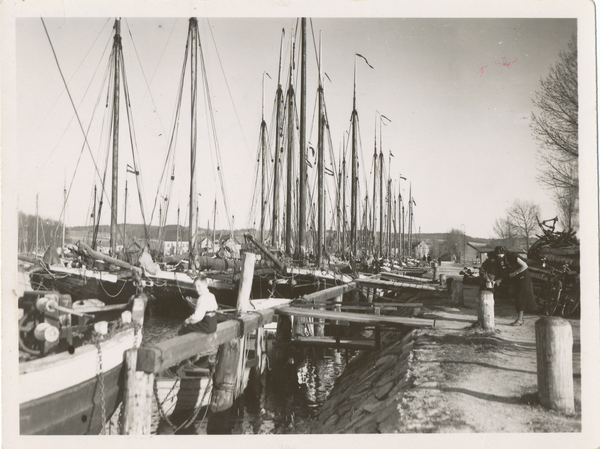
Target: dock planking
(331,342)
(391,285)
(160,356)
(355,317)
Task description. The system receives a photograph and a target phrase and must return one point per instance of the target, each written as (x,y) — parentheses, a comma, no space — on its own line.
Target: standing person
(204,318)
(517,272)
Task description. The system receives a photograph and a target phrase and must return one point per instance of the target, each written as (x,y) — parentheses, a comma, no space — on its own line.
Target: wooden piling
(456,293)
(554,344)
(443,280)
(283,336)
(137,401)
(320,324)
(229,371)
(243,299)
(485,310)
(224,379)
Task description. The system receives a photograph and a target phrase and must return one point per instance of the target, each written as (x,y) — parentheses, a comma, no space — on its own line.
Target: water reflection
(286,400)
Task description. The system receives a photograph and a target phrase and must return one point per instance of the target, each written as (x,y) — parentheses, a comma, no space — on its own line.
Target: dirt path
(490,382)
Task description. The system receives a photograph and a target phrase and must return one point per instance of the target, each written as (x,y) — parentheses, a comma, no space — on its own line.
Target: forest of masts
(366,218)
(378,222)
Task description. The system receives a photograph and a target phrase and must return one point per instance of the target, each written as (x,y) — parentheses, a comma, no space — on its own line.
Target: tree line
(38,233)
(555,127)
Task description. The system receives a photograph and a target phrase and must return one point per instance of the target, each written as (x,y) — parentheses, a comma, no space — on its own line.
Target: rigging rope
(70,97)
(214,132)
(170,157)
(228,89)
(134,150)
(84,95)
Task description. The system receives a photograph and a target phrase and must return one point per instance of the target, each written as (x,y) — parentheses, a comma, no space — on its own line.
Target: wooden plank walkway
(403,276)
(331,342)
(391,285)
(355,317)
(160,356)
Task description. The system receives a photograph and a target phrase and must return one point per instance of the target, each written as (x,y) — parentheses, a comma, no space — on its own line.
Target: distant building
(172,248)
(208,245)
(421,250)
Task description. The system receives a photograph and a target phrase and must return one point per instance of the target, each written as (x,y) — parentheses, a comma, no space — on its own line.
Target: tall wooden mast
(321,167)
(290,157)
(263,142)
(354,191)
(303,176)
(278,150)
(375,188)
(117,49)
(380,199)
(344,199)
(193,43)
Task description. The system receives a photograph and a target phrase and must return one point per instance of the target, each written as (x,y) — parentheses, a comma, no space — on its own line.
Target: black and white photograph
(337,220)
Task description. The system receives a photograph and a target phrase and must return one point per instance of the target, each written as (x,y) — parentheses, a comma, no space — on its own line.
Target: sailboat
(292,273)
(70,361)
(175,289)
(93,274)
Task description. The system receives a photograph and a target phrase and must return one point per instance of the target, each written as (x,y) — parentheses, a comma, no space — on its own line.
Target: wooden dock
(233,341)
(412,323)
(160,356)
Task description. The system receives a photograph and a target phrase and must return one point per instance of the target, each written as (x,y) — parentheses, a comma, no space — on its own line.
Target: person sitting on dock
(204,318)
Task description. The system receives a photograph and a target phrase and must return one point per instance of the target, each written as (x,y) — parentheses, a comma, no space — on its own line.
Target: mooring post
(259,349)
(319,322)
(435,270)
(137,400)
(554,345)
(377,336)
(485,310)
(337,306)
(224,379)
(231,361)
(443,280)
(282,338)
(243,299)
(456,292)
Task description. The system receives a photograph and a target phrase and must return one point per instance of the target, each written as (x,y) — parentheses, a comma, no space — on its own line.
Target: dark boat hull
(80,411)
(80,287)
(64,393)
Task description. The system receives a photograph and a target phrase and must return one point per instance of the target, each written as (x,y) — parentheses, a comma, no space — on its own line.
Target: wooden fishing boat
(93,274)
(70,367)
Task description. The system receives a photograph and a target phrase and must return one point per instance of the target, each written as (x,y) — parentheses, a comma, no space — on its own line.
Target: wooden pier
(230,374)
(231,338)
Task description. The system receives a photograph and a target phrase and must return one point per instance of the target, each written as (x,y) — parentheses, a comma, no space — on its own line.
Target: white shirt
(206,303)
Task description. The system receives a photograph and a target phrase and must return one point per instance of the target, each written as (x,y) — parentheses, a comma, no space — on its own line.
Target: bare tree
(523,218)
(556,128)
(505,231)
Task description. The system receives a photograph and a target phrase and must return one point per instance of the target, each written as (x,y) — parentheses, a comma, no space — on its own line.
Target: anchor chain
(159,404)
(101,381)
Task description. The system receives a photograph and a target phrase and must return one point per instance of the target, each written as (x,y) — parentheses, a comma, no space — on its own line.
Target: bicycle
(560,294)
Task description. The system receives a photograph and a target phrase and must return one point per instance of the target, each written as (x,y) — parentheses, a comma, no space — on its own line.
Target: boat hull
(171,292)
(82,286)
(62,394)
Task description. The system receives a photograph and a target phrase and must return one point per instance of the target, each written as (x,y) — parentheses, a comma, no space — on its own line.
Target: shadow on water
(285,400)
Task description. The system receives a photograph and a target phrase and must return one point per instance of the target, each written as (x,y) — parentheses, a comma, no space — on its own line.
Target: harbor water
(287,401)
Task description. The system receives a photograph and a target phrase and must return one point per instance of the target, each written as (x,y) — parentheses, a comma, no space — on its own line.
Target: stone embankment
(452,378)
(368,397)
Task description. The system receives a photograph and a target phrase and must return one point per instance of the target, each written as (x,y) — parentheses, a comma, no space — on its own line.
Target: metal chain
(161,411)
(101,380)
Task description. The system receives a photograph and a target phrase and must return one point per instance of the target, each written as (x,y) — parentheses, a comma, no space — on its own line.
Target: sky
(458,94)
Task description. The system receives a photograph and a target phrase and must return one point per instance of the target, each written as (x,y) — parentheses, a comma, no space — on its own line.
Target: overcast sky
(458,93)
